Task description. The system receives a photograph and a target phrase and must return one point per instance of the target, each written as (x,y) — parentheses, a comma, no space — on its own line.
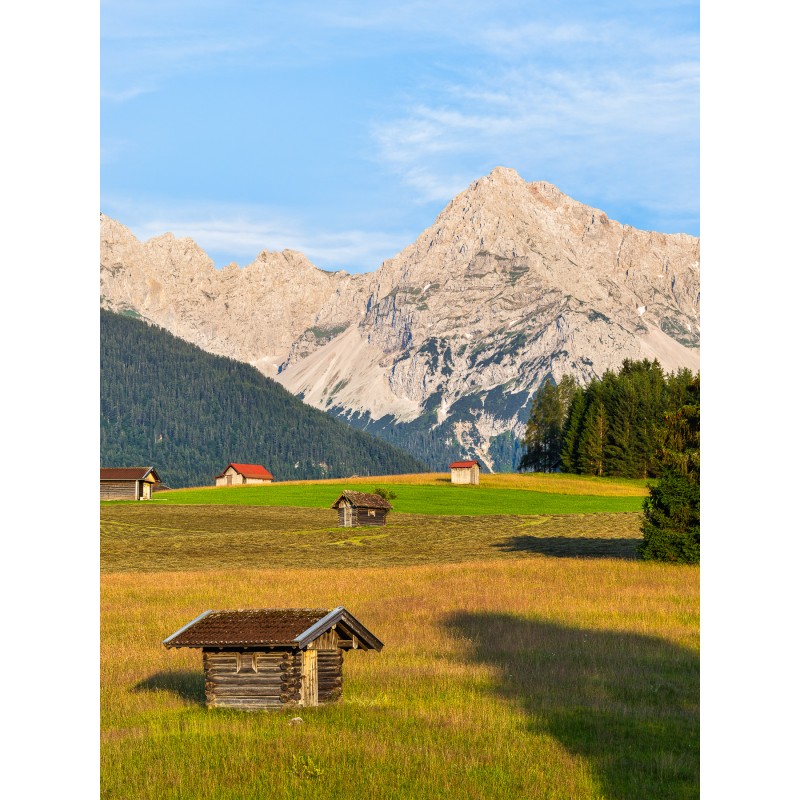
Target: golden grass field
(525,656)
(541,678)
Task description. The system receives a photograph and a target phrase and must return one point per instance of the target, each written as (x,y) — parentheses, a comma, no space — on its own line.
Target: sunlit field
(528,652)
(432,494)
(542,678)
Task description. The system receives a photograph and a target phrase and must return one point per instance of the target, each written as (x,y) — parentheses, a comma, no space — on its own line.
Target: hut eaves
(294,627)
(364,500)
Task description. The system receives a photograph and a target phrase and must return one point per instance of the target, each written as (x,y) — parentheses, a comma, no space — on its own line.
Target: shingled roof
(293,627)
(464,465)
(126,473)
(364,500)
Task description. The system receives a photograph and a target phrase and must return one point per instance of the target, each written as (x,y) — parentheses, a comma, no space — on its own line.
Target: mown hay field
(541,678)
(149,537)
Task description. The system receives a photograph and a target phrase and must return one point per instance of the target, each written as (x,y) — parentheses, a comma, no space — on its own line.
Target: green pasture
(444,499)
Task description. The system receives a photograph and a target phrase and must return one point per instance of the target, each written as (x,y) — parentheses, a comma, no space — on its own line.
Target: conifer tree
(671,525)
(591,448)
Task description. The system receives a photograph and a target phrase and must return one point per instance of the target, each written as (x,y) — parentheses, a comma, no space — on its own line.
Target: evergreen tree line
(635,423)
(169,404)
(613,426)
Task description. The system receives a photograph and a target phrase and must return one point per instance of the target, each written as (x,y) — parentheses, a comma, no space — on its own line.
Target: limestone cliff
(514,282)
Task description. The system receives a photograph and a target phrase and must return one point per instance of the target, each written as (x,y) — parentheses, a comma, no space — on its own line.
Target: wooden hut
(239,474)
(274,657)
(465,472)
(359,508)
(127,483)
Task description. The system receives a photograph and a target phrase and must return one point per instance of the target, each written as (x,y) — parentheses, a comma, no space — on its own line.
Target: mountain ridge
(514,283)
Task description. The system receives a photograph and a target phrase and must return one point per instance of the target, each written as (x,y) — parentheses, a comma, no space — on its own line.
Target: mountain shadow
(626,703)
(572,546)
(185,684)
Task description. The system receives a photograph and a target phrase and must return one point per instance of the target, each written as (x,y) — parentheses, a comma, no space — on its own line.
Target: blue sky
(341,129)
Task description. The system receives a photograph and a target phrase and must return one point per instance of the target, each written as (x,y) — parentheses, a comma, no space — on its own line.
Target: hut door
(309,692)
(229,480)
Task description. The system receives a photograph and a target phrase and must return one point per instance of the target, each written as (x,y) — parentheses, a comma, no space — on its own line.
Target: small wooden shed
(239,474)
(274,657)
(127,483)
(465,472)
(360,508)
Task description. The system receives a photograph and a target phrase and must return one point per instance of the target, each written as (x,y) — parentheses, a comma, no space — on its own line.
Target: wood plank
(247,691)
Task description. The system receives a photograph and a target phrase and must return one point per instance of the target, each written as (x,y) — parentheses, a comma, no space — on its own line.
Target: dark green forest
(635,423)
(613,426)
(168,404)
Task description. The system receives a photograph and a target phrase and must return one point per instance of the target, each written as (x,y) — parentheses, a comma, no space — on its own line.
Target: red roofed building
(238,474)
(465,472)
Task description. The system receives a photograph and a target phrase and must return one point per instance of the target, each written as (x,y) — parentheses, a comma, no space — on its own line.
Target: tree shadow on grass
(187,685)
(572,546)
(628,704)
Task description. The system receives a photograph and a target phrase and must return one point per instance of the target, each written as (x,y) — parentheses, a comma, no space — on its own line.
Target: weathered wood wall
(329,680)
(252,680)
(361,516)
(118,490)
(269,679)
(377,517)
(470,476)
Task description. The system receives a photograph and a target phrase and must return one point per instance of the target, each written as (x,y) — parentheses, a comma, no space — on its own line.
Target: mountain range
(440,349)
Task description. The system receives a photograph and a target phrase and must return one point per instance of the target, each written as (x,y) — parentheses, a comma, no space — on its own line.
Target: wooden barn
(239,474)
(359,508)
(274,657)
(465,472)
(127,483)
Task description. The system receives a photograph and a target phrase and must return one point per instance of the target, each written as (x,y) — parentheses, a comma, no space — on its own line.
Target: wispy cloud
(625,123)
(242,233)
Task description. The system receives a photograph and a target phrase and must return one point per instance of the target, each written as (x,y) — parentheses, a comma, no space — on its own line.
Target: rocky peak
(513,283)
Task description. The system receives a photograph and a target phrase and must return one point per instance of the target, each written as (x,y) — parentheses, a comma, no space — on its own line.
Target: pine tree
(591,447)
(671,525)
(544,429)
(573,427)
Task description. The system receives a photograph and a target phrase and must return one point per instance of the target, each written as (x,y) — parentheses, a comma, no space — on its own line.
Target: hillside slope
(167,403)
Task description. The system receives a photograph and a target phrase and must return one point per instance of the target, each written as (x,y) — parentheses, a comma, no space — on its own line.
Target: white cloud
(242,233)
(618,129)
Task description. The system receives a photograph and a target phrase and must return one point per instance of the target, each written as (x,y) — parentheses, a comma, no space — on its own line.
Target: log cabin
(240,474)
(360,508)
(274,658)
(465,472)
(127,483)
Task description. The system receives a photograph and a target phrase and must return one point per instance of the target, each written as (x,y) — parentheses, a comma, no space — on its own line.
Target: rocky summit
(442,347)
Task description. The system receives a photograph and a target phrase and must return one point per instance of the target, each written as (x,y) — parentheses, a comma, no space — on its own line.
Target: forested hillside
(169,404)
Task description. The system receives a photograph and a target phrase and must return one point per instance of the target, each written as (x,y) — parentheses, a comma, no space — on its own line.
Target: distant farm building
(127,483)
(274,657)
(465,472)
(359,508)
(238,474)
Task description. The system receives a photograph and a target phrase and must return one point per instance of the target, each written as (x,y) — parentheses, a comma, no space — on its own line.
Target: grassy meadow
(528,654)
(434,494)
